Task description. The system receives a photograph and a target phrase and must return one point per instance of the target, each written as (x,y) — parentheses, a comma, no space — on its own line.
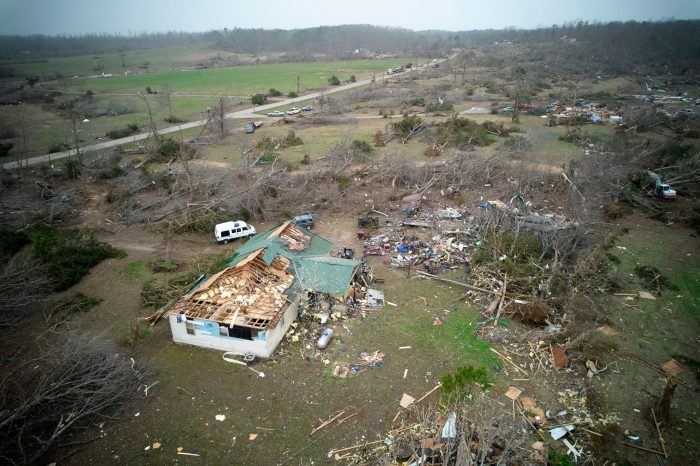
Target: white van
(228,231)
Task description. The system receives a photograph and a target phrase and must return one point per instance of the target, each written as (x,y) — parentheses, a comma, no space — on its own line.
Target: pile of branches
(72,383)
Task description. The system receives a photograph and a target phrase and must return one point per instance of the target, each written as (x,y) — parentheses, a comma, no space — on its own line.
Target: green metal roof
(324,274)
(312,268)
(317,247)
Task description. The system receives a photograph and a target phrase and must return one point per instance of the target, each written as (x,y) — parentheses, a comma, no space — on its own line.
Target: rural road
(248,113)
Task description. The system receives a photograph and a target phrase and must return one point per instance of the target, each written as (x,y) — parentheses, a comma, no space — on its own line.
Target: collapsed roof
(265,276)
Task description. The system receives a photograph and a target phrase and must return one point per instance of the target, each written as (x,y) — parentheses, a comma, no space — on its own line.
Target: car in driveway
(293,111)
(228,231)
(276,113)
(305,220)
(307,108)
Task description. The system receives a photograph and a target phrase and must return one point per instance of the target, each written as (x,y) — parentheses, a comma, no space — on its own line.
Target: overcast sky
(136,16)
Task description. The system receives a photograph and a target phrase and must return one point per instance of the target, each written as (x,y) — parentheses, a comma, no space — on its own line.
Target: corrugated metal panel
(325,274)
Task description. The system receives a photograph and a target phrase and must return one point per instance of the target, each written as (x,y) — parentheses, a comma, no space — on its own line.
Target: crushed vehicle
(250,127)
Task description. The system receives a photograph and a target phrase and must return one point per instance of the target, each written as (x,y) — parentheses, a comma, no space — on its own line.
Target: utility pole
(298,79)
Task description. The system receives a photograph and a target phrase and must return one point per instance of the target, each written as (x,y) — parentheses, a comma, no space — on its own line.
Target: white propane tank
(325,338)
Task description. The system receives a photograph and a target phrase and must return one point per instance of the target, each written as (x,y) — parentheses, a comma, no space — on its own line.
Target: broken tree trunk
(153,319)
(500,301)
(664,405)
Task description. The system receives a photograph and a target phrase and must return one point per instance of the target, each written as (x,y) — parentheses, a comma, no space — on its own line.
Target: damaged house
(248,306)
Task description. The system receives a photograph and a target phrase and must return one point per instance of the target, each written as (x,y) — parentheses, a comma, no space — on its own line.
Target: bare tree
(25,289)
(218,115)
(75,112)
(71,383)
(23,131)
(152,124)
(166,94)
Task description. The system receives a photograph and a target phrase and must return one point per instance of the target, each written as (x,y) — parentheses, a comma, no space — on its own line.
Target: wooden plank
(429,393)
(465,285)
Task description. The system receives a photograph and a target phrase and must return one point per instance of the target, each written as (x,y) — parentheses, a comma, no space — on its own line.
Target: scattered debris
(672,368)
(561,360)
(406,400)
(561,431)
(220,417)
(592,370)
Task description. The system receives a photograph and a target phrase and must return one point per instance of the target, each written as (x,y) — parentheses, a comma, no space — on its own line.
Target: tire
(225,241)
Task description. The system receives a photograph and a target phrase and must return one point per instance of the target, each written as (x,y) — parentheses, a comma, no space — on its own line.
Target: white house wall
(262,346)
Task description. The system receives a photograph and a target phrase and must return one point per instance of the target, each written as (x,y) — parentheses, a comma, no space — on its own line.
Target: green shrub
(334,81)
(172,149)
(58,147)
(439,107)
(163,265)
(406,125)
(267,158)
(360,145)
(292,139)
(461,131)
(124,132)
(292,94)
(258,99)
(173,120)
(274,93)
(353,78)
(70,254)
(72,167)
(265,144)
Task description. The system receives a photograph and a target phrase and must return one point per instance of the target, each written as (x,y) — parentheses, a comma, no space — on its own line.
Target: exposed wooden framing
(249,294)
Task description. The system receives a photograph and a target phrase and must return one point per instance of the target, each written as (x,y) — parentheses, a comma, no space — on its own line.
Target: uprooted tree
(45,394)
(25,289)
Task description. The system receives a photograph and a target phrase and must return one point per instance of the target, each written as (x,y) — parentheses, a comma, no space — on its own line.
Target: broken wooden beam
(325,423)
(465,285)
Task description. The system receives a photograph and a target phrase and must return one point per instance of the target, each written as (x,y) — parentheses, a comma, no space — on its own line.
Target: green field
(152,60)
(238,80)
(47,128)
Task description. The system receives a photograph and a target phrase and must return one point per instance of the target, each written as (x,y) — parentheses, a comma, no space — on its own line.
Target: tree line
(663,40)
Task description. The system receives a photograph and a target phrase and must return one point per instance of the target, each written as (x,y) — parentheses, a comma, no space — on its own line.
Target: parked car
(307,108)
(304,220)
(276,113)
(507,110)
(228,231)
(293,111)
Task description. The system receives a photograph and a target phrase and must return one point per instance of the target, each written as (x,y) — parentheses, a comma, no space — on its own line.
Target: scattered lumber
(465,285)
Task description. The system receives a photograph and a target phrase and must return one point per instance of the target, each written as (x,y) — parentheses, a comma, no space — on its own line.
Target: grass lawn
(158,59)
(239,80)
(298,388)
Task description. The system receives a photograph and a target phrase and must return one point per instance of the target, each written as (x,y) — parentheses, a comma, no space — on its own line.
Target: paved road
(248,113)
